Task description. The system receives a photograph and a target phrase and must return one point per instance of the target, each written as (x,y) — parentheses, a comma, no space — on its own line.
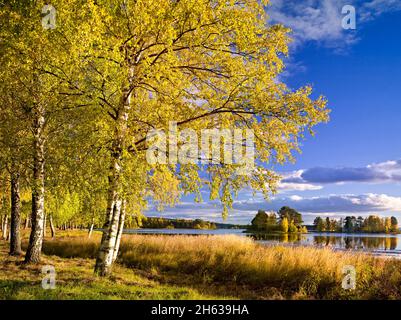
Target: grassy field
(75,280)
(198,267)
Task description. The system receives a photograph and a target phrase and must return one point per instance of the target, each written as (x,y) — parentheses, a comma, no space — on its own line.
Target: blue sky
(353,164)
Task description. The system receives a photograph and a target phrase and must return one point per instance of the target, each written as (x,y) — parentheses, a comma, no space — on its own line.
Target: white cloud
(298,186)
(336,205)
(382,201)
(312,20)
(321,20)
(292,181)
(295,198)
(346,203)
(374,8)
(331,205)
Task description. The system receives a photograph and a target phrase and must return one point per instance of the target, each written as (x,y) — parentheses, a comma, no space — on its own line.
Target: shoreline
(378,252)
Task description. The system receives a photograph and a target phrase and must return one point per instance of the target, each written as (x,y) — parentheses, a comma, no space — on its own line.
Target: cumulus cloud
(311,19)
(293,182)
(384,172)
(336,205)
(287,186)
(296,198)
(374,8)
(331,205)
(321,20)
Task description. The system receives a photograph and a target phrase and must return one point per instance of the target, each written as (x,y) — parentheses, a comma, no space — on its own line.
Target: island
(286,220)
(351,224)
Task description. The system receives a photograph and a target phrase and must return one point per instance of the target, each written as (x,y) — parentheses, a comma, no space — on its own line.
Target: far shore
(247,230)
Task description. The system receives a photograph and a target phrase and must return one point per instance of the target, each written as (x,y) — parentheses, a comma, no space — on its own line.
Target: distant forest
(166,223)
(351,224)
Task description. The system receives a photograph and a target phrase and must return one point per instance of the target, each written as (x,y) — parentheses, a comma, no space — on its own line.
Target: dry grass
(239,266)
(75,280)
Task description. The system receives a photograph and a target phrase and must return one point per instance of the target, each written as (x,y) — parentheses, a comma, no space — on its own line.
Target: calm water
(187,231)
(376,243)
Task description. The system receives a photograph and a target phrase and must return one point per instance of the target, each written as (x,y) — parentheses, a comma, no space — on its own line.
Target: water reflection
(360,242)
(340,241)
(285,238)
(376,242)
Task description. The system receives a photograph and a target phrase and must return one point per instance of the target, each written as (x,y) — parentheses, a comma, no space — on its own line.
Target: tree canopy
(91,89)
(285,220)
(370,224)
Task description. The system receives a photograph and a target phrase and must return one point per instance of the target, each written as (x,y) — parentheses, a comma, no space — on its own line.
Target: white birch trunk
(106,251)
(15,235)
(119,231)
(90,231)
(5,227)
(52,228)
(105,256)
(26,223)
(38,190)
(44,226)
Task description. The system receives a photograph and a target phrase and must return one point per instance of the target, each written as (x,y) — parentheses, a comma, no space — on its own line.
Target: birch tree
(202,65)
(135,66)
(29,53)
(14,141)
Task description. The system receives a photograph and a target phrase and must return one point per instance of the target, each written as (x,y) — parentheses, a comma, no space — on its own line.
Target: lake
(379,244)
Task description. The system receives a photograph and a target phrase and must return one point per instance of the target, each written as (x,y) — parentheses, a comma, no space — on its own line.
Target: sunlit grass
(232,262)
(75,280)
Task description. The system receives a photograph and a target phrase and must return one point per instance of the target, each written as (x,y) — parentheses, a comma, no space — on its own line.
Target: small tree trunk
(119,231)
(26,223)
(15,235)
(38,190)
(52,229)
(5,227)
(44,225)
(91,229)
